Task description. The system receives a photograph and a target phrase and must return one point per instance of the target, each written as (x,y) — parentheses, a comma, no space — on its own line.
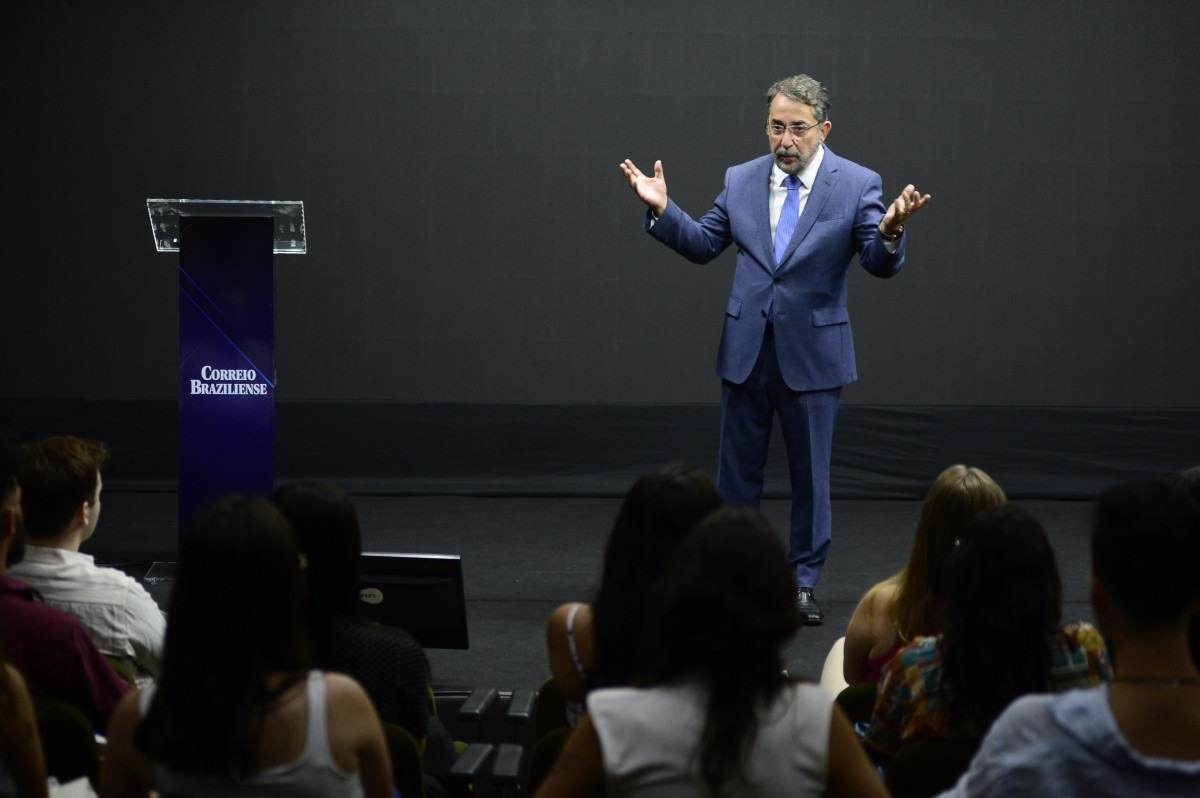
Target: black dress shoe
(809,608)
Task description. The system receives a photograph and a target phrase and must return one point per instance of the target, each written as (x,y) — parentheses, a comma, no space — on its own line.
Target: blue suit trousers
(806,419)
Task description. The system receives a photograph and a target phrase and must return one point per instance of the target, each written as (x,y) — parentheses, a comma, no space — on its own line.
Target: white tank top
(649,739)
(312,774)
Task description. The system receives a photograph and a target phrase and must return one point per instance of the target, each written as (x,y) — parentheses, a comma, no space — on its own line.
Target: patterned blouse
(913,704)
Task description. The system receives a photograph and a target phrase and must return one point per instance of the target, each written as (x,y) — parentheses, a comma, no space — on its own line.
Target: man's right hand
(651,190)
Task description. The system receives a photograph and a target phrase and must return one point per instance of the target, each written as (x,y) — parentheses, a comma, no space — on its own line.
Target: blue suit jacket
(806,294)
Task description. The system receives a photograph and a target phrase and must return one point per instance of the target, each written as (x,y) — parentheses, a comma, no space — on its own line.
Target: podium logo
(371,595)
(228,382)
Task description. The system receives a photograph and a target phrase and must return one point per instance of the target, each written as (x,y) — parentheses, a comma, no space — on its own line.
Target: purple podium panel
(226,359)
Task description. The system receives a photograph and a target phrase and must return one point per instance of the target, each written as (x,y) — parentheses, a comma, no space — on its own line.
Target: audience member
(235,711)
(1139,735)
(715,714)
(61,485)
(1191,480)
(22,768)
(599,644)
(1194,638)
(388,662)
(896,611)
(1002,639)
(49,647)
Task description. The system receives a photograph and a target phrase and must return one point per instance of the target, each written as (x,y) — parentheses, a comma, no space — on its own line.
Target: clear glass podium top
(290,236)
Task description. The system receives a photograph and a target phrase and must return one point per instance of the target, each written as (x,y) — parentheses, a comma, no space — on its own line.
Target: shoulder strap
(144,698)
(572,645)
(316,744)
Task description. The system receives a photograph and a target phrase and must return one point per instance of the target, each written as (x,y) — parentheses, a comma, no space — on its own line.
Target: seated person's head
(1191,478)
(1146,556)
(658,511)
(327,531)
(12,527)
(328,535)
(726,602)
(657,514)
(955,496)
(721,614)
(234,620)
(60,488)
(240,581)
(1003,608)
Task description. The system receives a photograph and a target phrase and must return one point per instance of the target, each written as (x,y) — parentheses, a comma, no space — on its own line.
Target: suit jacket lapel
(762,208)
(823,186)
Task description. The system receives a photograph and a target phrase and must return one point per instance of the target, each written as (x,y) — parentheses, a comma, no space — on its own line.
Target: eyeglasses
(797,130)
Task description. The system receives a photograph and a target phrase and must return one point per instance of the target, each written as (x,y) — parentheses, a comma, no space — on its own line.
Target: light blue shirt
(1069,745)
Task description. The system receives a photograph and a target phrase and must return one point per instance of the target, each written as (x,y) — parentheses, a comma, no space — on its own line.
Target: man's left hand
(909,202)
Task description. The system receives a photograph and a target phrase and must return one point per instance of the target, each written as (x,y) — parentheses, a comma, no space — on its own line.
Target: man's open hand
(909,202)
(651,190)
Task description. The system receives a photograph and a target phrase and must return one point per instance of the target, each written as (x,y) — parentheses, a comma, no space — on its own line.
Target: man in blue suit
(797,217)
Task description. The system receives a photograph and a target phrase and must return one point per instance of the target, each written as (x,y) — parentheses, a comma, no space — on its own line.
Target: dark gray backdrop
(472,241)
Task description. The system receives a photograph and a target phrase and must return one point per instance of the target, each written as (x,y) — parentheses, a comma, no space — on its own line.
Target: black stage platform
(523,556)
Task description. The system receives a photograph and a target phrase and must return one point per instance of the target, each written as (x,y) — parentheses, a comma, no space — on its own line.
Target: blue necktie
(788,217)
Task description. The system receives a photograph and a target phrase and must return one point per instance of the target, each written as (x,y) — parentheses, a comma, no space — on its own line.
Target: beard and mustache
(795,168)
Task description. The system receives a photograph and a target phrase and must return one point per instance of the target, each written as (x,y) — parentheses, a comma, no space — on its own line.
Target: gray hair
(803,89)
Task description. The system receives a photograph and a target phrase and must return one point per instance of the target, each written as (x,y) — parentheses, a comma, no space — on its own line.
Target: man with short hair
(50,648)
(1139,735)
(61,485)
(797,216)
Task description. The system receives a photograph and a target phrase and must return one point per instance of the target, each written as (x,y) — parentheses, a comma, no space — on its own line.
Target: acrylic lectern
(226,339)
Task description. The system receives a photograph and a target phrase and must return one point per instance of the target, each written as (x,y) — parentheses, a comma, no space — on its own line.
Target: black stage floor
(524,556)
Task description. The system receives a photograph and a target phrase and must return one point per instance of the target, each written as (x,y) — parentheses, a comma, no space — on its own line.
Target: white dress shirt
(807,175)
(119,614)
(779,191)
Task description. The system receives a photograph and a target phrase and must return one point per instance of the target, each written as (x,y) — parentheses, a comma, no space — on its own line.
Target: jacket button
(777,280)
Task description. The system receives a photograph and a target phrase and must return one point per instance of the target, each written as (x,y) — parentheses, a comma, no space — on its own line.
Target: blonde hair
(958,493)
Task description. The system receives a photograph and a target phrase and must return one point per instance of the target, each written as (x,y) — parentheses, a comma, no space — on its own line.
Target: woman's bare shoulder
(342,687)
(557,625)
(879,598)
